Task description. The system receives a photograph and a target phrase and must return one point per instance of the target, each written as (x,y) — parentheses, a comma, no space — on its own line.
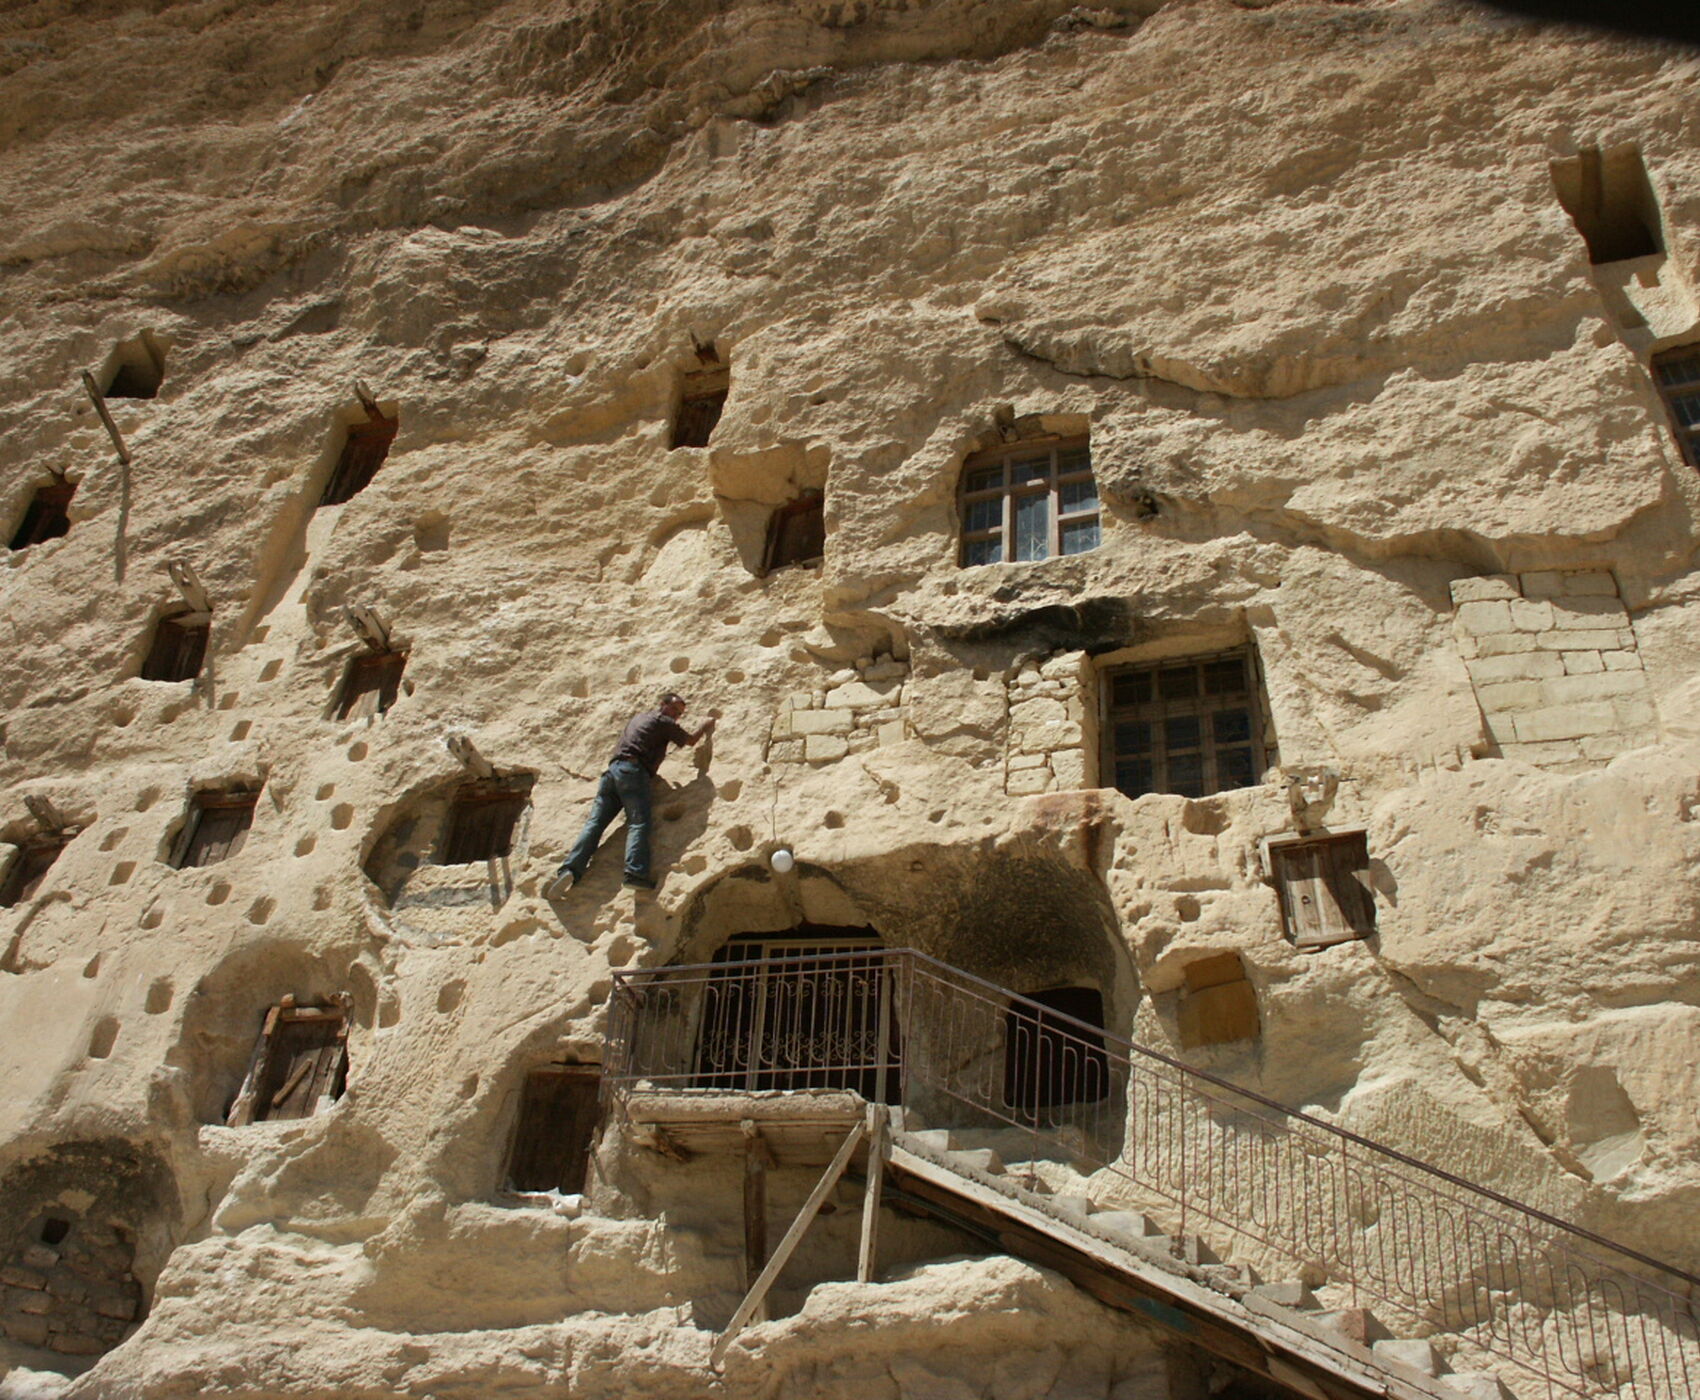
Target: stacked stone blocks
(856,710)
(1048,725)
(76,1298)
(1555,666)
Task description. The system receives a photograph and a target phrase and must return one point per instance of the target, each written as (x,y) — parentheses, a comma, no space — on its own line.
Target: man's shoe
(638,882)
(560,885)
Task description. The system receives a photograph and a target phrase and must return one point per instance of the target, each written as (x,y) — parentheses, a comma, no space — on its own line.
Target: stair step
(1412,1352)
(1287,1294)
(980,1159)
(1477,1385)
(1358,1325)
(1127,1222)
(1070,1204)
(932,1139)
(1194,1250)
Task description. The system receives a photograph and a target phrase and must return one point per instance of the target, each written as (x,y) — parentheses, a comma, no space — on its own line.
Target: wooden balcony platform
(801,1127)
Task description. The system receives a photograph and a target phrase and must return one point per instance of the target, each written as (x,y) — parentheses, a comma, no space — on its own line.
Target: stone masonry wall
(1051,731)
(1554,662)
(853,711)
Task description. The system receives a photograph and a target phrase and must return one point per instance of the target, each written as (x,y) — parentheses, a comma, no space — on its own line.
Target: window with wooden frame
(1677,373)
(796,532)
(363,452)
(702,397)
(179,647)
(299,1064)
(28,867)
(1029,500)
(45,518)
(370,684)
(1049,1060)
(559,1108)
(1323,886)
(481,821)
(216,828)
(1193,725)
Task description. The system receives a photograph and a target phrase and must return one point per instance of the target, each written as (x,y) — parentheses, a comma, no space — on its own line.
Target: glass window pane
(1680,371)
(1074,459)
(987,551)
(1177,683)
(1077,495)
(1130,688)
(984,479)
(1231,727)
(1235,769)
(1186,774)
(1687,409)
(984,514)
(1030,469)
(1134,778)
(1079,536)
(1132,736)
(1182,732)
(1225,677)
(1032,526)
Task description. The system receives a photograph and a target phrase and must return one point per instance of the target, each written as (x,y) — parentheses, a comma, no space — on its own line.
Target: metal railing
(1580,1314)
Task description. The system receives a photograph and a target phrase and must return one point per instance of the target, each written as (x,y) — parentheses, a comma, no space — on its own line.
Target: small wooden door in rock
(300,1063)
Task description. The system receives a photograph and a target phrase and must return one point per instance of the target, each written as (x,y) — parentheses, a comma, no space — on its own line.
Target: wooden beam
(867,1255)
(98,399)
(756,1162)
(787,1246)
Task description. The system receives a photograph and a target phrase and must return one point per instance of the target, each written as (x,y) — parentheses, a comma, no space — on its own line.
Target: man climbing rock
(625,784)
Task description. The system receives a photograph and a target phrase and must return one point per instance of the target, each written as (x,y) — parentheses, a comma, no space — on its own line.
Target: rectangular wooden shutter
(221,826)
(300,1060)
(558,1112)
(363,452)
(1324,896)
(373,682)
(179,647)
(481,824)
(27,870)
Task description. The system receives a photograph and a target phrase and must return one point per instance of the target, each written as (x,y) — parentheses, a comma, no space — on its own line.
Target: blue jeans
(624,785)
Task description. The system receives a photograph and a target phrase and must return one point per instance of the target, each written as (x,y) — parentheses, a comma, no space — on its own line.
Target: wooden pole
(867,1255)
(787,1246)
(98,399)
(755,1210)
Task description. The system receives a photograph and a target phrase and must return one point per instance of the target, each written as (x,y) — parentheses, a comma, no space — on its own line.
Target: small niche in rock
(160,992)
(431,533)
(1218,1003)
(103,1038)
(136,368)
(45,517)
(1608,196)
(365,446)
(179,647)
(216,827)
(702,397)
(27,867)
(54,1229)
(370,684)
(796,532)
(558,1113)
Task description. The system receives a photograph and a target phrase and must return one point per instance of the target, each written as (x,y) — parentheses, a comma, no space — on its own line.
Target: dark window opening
(702,397)
(140,370)
(797,532)
(1323,884)
(54,1230)
(28,869)
(1027,501)
(45,518)
(179,647)
(371,684)
(800,1011)
(1611,201)
(300,1063)
(481,822)
(558,1111)
(217,827)
(1049,1062)
(1190,726)
(1677,373)
(363,452)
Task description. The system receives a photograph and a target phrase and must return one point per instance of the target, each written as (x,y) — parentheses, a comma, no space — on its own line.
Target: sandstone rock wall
(1356,399)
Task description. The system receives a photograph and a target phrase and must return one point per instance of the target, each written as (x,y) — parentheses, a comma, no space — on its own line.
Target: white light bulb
(782,860)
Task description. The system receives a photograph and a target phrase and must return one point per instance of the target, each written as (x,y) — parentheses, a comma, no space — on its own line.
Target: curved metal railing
(1582,1315)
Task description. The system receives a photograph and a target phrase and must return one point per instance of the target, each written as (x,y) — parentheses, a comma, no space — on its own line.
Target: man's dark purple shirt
(645,738)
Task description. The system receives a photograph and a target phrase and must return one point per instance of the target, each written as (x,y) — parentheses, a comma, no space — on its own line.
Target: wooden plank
(787,1246)
(868,1253)
(756,1161)
(242,1107)
(98,399)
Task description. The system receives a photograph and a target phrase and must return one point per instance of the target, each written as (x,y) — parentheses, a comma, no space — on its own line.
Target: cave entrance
(810,1008)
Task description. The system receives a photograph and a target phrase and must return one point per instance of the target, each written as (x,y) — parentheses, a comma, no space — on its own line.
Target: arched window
(1029,500)
(1050,1062)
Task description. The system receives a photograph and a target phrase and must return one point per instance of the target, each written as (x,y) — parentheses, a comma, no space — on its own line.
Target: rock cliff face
(1360,410)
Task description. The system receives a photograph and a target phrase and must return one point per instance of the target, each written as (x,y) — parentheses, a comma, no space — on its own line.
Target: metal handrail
(1585,1316)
